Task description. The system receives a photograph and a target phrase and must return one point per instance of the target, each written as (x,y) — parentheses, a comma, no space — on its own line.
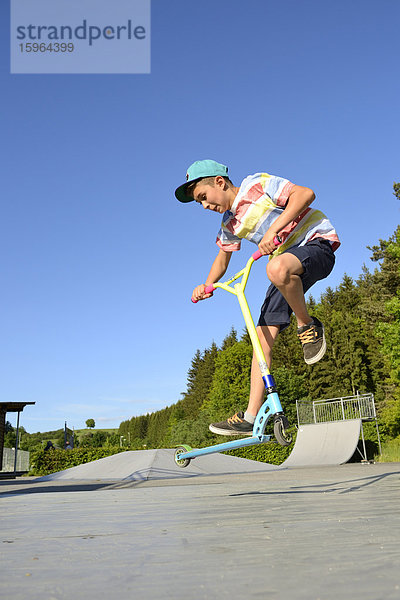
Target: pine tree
(231,382)
(230,339)
(200,379)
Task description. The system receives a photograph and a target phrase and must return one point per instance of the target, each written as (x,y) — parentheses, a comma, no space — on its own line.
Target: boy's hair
(207,181)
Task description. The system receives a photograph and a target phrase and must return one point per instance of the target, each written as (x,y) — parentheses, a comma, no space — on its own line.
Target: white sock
(249,418)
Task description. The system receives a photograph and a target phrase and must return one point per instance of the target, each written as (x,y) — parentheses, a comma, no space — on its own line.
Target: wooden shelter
(6,407)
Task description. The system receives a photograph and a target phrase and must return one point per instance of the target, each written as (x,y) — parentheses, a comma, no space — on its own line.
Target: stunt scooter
(272,406)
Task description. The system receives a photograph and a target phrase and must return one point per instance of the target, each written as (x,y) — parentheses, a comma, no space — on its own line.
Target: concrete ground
(309,533)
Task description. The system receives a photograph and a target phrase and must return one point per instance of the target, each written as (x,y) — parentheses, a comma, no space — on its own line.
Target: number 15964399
(43,47)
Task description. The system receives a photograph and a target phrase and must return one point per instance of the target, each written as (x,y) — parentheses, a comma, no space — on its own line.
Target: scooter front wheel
(281,431)
(181,462)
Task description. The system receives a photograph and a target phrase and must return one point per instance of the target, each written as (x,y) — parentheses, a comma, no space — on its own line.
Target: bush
(52,461)
(269,453)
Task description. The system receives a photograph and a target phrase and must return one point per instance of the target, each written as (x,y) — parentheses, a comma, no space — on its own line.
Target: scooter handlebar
(257,255)
(209,289)
(277,242)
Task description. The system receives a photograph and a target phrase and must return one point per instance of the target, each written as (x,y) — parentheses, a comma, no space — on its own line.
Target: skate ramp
(142,465)
(318,444)
(332,443)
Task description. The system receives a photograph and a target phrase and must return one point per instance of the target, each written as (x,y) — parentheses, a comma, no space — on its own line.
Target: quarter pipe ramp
(332,443)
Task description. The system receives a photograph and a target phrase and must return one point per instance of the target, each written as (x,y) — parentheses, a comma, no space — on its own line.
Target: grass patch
(89,429)
(390,451)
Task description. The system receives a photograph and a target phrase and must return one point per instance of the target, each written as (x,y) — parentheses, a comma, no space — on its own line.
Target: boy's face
(213,198)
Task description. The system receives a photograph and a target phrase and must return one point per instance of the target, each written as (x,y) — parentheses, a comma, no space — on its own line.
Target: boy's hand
(268,242)
(199,293)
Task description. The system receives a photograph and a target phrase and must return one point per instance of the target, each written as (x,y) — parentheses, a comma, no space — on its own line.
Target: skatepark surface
(309,533)
(137,524)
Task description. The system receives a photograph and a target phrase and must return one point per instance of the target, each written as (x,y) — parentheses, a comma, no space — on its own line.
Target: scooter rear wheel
(183,462)
(281,431)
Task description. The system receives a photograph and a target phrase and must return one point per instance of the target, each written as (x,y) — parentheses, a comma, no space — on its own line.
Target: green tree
(230,339)
(345,368)
(388,327)
(231,382)
(194,432)
(158,426)
(291,386)
(90,423)
(10,436)
(94,440)
(200,378)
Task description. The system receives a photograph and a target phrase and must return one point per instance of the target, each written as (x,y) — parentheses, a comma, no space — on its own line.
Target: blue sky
(98,259)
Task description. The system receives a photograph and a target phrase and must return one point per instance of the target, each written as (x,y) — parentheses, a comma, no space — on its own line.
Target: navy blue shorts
(318,259)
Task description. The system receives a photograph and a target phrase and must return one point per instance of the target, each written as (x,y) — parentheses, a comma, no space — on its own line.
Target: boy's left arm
(298,200)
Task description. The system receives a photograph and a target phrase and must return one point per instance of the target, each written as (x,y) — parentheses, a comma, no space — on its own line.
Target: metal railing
(9,462)
(361,407)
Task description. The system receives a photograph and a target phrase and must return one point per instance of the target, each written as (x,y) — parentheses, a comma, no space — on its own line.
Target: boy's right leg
(285,272)
(242,423)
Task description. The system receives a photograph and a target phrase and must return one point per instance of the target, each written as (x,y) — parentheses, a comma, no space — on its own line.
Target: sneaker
(312,339)
(235,425)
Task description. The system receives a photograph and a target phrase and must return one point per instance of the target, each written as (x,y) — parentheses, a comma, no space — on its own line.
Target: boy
(263,209)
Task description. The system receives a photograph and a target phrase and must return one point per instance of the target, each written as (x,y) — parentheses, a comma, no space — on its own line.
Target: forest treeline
(362,326)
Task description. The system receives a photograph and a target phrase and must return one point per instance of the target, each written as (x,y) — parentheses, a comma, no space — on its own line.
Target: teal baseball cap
(198,170)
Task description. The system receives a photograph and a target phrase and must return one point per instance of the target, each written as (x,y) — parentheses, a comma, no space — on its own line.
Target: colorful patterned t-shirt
(260,200)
